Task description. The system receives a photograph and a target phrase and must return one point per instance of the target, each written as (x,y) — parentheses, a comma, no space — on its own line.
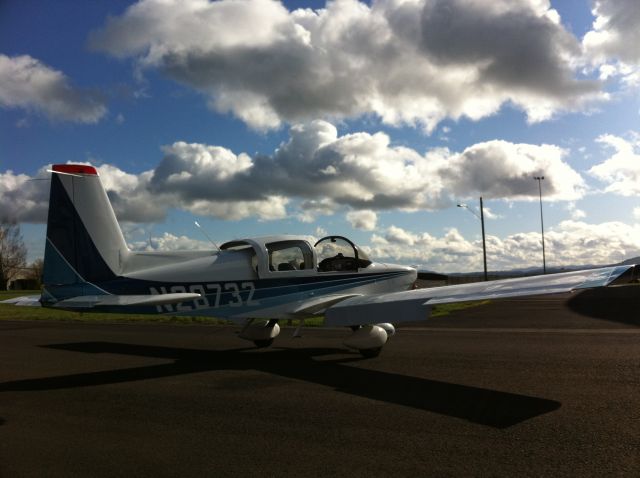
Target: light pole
(544,259)
(484,243)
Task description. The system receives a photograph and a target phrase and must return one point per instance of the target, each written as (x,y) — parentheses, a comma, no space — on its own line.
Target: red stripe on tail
(75,169)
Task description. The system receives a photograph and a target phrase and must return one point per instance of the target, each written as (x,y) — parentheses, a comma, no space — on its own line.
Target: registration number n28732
(217,294)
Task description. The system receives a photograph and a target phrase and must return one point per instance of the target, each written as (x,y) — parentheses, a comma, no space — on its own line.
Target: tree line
(13,258)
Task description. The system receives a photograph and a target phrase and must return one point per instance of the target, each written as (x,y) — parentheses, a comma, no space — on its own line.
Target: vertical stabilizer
(84,241)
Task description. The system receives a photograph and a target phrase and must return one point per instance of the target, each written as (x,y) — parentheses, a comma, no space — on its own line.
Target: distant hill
(530,271)
(635,260)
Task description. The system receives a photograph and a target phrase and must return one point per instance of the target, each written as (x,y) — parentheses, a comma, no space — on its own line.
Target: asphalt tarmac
(538,387)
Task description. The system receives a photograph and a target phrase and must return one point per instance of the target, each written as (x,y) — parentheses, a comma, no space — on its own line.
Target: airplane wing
(415,305)
(90,301)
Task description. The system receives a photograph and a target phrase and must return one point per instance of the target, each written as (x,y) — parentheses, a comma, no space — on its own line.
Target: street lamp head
(538,178)
(462,205)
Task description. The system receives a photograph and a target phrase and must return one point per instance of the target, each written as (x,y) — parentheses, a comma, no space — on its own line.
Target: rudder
(84,242)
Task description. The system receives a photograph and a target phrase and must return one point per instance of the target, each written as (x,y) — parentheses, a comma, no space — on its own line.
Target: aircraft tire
(370,353)
(261,344)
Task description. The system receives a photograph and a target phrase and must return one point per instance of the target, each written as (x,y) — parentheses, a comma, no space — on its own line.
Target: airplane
(253,282)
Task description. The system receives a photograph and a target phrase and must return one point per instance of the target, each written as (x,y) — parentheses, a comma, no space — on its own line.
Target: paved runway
(525,388)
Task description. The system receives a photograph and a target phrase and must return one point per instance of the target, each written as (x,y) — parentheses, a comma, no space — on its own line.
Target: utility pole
(484,242)
(544,259)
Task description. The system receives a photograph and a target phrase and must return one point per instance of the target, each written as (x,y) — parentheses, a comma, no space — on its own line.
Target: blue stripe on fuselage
(126,285)
(222,295)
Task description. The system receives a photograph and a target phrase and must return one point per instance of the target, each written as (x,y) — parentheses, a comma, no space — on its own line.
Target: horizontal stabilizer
(90,301)
(415,305)
(24,301)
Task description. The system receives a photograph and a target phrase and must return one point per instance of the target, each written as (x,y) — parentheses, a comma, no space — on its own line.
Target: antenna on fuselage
(205,233)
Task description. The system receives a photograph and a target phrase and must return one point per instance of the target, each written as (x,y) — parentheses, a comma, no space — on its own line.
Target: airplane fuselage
(277,277)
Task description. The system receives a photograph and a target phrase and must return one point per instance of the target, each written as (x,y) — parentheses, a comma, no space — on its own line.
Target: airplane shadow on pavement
(615,304)
(478,405)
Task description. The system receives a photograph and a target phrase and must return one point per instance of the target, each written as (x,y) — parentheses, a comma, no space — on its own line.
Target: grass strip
(12,312)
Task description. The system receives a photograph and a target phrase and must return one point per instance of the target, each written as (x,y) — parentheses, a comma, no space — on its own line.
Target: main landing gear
(369,339)
(261,334)
(366,339)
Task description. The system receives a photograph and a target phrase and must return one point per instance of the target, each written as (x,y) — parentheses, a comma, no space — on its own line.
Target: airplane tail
(84,242)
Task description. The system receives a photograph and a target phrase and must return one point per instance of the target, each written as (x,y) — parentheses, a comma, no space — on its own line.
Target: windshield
(337,253)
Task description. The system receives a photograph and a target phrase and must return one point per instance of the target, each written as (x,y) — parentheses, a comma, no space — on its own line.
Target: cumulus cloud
(26,199)
(193,169)
(320,232)
(615,33)
(575,212)
(22,199)
(27,83)
(489,214)
(397,235)
(570,243)
(319,172)
(621,171)
(362,171)
(412,63)
(365,219)
(584,243)
(213,181)
(310,209)
(129,195)
(450,252)
(270,208)
(202,184)
(500,169)
(169,242)
(613,44)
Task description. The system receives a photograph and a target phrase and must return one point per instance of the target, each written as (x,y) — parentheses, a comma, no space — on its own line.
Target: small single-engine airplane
(253,282)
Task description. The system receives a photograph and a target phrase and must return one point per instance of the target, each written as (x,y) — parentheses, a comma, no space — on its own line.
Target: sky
(371,120)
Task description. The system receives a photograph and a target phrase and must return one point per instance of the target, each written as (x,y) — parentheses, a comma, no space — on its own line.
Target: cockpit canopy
(271,256)
(290,255)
